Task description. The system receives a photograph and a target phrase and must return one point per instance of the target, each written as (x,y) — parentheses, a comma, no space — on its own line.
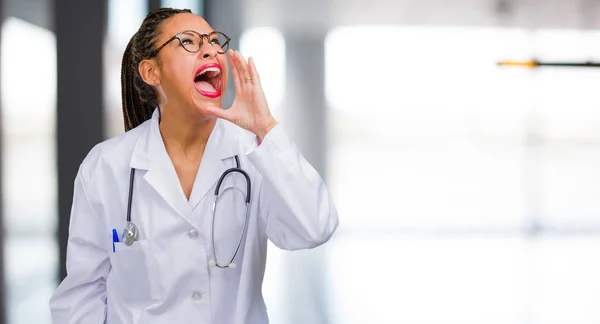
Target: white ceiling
(315,15)
(320,15)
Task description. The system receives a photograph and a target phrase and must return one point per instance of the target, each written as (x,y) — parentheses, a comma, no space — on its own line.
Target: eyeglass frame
(178,37)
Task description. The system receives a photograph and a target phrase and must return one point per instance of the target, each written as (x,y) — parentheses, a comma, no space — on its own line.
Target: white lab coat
(165,277)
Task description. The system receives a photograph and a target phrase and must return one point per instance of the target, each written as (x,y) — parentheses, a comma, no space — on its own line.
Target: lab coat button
(193,233)
(196,296)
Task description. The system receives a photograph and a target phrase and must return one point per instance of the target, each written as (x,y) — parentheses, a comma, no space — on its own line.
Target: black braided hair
(139,98)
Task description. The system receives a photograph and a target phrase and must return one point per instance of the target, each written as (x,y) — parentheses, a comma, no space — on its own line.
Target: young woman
(170,220)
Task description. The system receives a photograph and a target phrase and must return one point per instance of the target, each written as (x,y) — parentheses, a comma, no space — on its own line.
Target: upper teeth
(210,69)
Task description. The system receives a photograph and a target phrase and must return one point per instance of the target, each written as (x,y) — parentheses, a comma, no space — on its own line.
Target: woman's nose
(208,50)
(211,53)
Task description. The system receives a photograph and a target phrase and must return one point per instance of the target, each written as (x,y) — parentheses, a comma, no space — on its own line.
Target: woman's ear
(149,71)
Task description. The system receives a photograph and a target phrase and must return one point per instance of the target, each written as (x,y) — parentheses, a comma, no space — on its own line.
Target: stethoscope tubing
(130,199)
(132,227)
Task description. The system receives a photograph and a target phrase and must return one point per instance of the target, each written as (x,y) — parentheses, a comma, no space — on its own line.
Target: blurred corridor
(467,192)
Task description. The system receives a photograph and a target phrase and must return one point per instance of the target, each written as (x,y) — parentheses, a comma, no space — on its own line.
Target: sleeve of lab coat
(81,296)
(293,198)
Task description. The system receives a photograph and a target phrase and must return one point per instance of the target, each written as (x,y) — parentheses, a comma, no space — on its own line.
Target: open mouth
(208,80)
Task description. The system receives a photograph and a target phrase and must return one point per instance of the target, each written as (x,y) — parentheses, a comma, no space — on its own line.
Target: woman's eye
(215,41)
(187,41)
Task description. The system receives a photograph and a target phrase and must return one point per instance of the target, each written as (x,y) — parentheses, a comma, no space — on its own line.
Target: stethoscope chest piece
(130,233)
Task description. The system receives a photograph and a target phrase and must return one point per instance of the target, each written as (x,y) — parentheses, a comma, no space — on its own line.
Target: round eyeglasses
(192,41)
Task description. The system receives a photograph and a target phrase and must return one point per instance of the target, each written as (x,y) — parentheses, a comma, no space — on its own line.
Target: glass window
(194,5)
(266,46)
(270,63)
(124,19)
(29,170)
(463,187)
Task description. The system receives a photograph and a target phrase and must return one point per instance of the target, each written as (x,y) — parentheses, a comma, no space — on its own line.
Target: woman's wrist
(262,131)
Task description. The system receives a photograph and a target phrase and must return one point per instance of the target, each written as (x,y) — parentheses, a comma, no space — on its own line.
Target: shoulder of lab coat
(294,201)
(81,296)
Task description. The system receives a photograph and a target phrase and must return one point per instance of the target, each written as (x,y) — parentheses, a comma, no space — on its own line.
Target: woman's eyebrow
(200,32)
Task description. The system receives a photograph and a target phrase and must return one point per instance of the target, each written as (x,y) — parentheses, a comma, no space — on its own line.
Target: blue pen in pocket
(115,238)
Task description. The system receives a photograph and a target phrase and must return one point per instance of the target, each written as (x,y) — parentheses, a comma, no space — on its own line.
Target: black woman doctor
(170,220)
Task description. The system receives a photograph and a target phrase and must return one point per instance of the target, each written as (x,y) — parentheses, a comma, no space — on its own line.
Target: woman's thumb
(218,112)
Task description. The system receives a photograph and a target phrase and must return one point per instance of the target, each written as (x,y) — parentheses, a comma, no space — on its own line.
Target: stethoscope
(130,232)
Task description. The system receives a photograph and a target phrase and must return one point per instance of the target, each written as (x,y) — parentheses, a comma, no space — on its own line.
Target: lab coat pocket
(134,272)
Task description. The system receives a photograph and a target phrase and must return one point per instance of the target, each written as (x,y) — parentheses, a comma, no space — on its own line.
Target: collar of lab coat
(150,154)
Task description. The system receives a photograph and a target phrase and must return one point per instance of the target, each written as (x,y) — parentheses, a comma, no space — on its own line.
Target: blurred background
(467,192)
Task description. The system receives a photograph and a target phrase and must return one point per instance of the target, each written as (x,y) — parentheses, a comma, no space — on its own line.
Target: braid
(139,98)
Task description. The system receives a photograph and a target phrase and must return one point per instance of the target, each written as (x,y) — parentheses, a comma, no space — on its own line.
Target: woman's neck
(183,135)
